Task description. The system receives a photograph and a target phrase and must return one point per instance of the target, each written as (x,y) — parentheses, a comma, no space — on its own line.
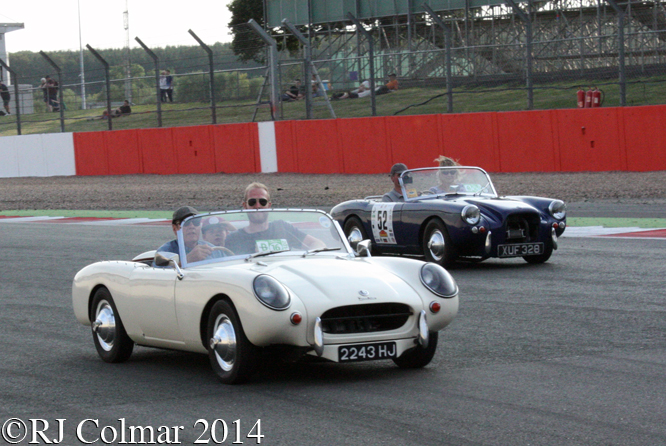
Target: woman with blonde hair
(447,177)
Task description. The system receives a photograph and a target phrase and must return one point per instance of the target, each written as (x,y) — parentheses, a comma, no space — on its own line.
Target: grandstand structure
(490,40)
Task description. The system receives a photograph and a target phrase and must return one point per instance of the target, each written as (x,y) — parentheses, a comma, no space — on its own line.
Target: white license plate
(520,249)
(367,352)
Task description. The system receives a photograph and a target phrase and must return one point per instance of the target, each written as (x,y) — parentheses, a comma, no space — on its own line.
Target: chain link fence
(491,61)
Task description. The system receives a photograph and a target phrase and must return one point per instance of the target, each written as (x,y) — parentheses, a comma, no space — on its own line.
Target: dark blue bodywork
(515,220)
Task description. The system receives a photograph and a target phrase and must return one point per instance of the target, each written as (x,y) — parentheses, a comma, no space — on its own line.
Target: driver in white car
(195,249)
(260,232)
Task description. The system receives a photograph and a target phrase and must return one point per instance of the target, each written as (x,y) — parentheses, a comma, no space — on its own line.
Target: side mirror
(168,258)
(363,248)
(164,258)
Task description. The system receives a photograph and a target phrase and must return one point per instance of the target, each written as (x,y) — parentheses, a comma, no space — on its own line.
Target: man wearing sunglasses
(195,248)
(396,193)
(244,241)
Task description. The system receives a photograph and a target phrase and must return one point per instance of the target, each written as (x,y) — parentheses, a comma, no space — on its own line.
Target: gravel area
(224,191)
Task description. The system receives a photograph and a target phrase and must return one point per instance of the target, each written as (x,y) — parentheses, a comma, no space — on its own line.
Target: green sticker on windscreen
(272,245)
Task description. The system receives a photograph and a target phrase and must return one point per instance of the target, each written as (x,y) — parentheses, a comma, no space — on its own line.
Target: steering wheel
(227,251)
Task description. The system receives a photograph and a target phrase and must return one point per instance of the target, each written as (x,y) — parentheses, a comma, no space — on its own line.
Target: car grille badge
(365,295)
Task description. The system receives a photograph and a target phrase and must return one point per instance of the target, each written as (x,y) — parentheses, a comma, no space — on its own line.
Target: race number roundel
(382,223)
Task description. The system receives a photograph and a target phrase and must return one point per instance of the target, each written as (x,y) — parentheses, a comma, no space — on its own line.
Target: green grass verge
(644,223)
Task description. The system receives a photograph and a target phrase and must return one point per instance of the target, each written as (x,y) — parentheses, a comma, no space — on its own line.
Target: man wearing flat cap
(195,249)
(396,193)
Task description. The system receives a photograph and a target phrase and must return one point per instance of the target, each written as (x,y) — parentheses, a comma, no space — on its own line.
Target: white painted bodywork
(160,310)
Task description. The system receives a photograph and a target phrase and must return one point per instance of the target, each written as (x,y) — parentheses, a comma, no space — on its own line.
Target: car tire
(541,258)
(111,340)
(437,246)
(232,356)
(354,231)
(418,357)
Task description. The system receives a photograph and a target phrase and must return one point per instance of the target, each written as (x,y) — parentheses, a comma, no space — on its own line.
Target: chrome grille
(365,318)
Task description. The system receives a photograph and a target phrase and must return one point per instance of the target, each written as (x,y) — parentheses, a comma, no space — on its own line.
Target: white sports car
(272,278)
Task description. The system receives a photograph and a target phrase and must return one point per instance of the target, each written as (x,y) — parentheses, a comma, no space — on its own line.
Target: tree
(246,44)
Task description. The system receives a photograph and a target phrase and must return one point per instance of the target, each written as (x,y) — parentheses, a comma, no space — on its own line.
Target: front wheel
(418,357)
(354,231)
(541,258)
(232,356)
(437,246)
(109,335)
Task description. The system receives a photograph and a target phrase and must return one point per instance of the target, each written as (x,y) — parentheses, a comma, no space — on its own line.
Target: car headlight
(271,293)
(438,280)
(471,214)
(557,209)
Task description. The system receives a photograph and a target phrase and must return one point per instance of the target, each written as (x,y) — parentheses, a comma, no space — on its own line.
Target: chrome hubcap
(354,236)
(436,245)
(104,325)
(223,342)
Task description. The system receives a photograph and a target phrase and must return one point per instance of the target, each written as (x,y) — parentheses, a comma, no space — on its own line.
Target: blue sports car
(454,213)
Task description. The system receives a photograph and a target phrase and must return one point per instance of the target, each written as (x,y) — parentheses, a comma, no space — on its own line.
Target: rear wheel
(354,231)
(437,246)
(419,357)
(109,335)
(232,356)
(541,258)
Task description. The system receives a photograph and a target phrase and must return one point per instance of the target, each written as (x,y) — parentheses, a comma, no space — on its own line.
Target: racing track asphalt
(571,352)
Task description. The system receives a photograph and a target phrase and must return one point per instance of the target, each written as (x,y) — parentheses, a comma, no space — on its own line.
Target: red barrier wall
(122,151)
(413,140)
(157,151)
(526,142)
(470,138)
(645,138)
(90,154)
(194,149)
(591,140)
(569,140)
(363,143)
(236,148)
(287,160)
(309,146)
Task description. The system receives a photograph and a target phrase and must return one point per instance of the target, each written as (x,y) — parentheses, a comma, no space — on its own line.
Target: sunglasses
(447,172)
(252,201)
(195,222)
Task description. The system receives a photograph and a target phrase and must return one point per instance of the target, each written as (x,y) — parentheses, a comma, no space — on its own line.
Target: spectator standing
(52,93)
(43,86)
(4,94)
(163,86)
(169,82)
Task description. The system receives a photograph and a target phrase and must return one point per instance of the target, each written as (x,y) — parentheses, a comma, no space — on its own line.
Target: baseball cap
(216,221)
(398,168)
(182,213)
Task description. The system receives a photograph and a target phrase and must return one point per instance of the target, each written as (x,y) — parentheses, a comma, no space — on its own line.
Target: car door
(153,289)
